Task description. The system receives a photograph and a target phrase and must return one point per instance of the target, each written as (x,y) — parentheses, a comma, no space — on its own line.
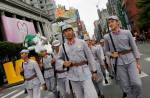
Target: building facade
(73,18)
(26,13)
(97,30)
(114,7)
(103,20)
(131,11)
(19,18)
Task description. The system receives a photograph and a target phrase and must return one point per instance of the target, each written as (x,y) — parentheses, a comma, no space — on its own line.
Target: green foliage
(144,15)
(10,50)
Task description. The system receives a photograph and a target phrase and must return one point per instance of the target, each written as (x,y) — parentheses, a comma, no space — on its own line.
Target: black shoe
(106,81)
(124,95)
(111,76)
(25,91)
(102,96)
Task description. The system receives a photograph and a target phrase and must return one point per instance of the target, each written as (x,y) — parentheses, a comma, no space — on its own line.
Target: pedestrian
(77,58)
(121,47)
(61,73)
(32,75)
(98,55)
(48,69)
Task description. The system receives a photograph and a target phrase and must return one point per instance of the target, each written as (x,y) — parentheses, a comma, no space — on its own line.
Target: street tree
(144,14)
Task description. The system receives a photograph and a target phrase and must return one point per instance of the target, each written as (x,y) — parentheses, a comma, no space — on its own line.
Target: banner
(16,30)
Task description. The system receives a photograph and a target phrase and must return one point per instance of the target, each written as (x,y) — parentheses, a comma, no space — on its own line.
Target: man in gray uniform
(98,55)
(80,59)
(48,69)
(32,74)
(62,81)
(107,60)
(127,56)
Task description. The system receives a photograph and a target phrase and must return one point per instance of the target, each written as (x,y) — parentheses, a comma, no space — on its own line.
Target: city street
(110,91)
(48,36)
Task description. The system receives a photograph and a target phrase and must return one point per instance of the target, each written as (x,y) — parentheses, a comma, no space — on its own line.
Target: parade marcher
(46,61)
(107,60)
(62,81)
(98,55)
(32,74)
(120,45)
(80,59)
(103,67)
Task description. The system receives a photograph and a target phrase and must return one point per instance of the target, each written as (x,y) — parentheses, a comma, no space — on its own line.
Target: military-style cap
(102,40)
(24,51)
(42,49)
(56,43)
(66,27)
(113,17)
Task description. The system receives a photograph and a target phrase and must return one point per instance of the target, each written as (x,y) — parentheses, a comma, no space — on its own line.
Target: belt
(80,63)
(60,71)
(30,78)
(45,69)
(124,52)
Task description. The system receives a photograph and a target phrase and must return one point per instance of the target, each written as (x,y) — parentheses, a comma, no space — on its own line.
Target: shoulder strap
(22,66)
(113,44)
(65,52)
(42,59)
(22,73)
(51,55)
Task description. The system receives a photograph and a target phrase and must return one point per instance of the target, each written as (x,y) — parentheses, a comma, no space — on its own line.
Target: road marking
(17,86)
(1,95)
(18,94)
(142,75)
(147,59)
(27,97)
(110,81)
(9,94)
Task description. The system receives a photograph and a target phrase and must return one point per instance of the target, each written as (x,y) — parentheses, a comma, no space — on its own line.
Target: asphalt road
(111,91)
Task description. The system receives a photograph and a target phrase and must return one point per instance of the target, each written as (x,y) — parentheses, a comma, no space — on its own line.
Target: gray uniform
(126,66)
(107,61)
(48,73)
(80,76)
(98,54)
(62,81)
(33,86)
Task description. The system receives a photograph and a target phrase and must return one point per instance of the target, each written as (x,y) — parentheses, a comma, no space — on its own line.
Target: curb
(10,85)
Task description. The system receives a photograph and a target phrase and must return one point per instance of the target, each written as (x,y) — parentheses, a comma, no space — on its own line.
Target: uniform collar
(71,42)
(26,62)
(116,33)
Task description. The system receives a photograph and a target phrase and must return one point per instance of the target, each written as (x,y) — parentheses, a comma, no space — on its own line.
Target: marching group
(76,68)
